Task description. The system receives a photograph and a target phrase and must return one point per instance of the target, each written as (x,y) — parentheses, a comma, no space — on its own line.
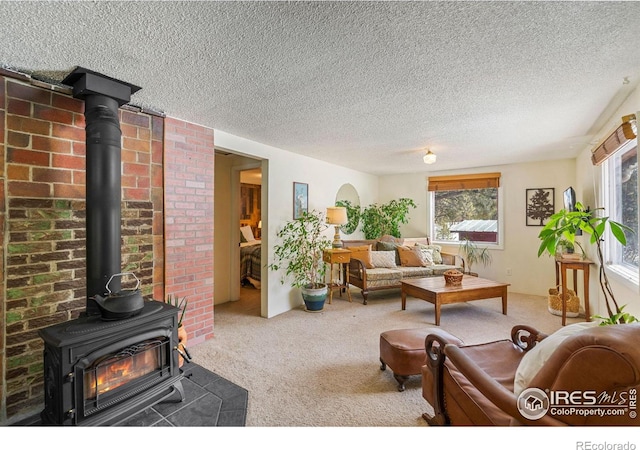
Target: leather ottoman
(404,352)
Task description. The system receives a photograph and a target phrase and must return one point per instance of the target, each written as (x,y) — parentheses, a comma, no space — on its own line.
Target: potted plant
(300,255)
(564,225)
(181,304)
(380,220)
(474,254)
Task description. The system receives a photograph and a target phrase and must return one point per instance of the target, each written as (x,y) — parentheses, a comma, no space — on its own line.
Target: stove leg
(176,395)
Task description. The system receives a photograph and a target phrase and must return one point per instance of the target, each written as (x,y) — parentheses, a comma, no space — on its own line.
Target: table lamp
(337,215)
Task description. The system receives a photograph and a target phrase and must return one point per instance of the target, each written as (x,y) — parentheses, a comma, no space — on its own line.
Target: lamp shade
(429,157)
(337,215)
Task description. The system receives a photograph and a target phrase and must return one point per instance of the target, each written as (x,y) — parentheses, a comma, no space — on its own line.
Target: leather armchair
(474,384)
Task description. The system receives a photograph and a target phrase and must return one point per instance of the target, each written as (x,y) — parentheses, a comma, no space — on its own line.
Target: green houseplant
(379,220)
(474,254)
(299,253)
(564,225)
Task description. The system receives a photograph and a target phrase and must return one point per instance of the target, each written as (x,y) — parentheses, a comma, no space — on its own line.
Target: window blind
(468,181)
(623,134)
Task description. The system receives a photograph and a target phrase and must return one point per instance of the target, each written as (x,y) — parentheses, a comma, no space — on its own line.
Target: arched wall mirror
(347,196)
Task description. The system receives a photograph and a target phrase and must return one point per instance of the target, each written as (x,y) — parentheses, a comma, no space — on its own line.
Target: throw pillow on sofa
(363,253)
(437,255)
(385,260)
(411,257)
(389,246)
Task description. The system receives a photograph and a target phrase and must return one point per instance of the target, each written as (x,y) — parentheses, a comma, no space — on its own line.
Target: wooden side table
(564,264)
(340,257)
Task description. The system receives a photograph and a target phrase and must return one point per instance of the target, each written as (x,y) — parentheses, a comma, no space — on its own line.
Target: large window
(620,176)
(465,207)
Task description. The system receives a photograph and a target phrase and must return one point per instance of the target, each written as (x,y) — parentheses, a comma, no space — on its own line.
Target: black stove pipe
(103,96)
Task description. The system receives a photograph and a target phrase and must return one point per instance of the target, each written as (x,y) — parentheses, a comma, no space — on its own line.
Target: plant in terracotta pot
(564,225)
(299,254)
(181,303)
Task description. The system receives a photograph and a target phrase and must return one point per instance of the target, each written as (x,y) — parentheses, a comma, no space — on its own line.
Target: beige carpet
(322,369)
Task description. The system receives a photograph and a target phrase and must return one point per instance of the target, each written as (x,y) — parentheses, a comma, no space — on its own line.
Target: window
(465,207)
(620,181)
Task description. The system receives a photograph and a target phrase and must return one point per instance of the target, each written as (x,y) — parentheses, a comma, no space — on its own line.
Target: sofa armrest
(490,388)
(526,337)
(357,269)
(435,343)
(453,260)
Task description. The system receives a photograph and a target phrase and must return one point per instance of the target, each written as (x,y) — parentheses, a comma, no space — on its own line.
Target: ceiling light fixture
(429,157)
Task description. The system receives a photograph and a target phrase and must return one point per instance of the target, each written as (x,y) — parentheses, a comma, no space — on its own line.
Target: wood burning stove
(101,372)
(120,356)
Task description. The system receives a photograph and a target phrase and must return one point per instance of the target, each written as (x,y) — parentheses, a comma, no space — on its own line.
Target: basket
(555,302)
(453,277)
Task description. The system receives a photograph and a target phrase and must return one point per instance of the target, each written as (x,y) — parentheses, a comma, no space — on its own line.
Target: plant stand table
(564,264)
(435,290)
(340,257)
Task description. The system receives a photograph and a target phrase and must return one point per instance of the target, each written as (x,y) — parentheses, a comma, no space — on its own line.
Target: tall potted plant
(564,225)
(474,254)
(300,255)
(379,220)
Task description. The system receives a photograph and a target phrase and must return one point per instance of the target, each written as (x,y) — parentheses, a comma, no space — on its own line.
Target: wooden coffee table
(434,290)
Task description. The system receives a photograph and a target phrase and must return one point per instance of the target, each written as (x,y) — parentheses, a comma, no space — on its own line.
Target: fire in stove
(128,365)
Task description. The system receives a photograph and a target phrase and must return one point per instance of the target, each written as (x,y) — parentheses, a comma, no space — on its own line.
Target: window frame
(623,273)
(499,245)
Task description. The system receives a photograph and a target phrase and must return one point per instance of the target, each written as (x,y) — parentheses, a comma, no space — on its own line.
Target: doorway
(238,200)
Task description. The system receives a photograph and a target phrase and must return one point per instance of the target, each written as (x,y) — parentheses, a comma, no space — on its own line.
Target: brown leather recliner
(591,378)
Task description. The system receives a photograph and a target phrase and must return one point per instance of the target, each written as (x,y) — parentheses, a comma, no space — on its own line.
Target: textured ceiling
(367,85)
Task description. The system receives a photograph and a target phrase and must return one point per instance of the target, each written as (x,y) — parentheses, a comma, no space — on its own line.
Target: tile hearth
(210,401)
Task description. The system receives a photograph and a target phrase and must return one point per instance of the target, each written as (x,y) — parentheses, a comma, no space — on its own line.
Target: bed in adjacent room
(250,265)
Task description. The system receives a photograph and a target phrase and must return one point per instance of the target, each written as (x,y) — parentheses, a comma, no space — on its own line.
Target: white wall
(589,191)
(280,170)
(530,274)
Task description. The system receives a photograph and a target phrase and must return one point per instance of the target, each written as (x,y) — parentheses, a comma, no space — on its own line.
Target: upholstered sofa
(583,374)
(379,264)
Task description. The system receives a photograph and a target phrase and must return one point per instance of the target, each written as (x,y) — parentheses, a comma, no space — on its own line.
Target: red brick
(79,148)
(30,93)
(16,139)
(69,103)
(129,130)
(139,120)
(28,189)
(52,114)
(19,107)
(18,172)
(135,169)
(135,194)
(68,162)
(21,156)
(80,177)
(49,144)
(67,132)
(28,125)
(51,175)
(68,191)
(135,144)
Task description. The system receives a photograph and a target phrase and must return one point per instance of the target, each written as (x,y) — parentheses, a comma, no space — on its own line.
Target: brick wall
(43,194)
(189,174)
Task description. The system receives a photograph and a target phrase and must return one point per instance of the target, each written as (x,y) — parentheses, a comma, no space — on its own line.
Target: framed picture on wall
(540,206)
(300,199)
